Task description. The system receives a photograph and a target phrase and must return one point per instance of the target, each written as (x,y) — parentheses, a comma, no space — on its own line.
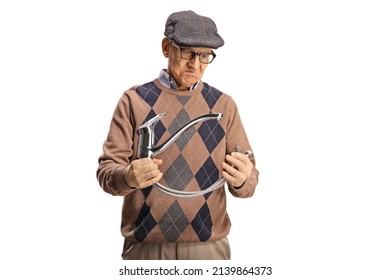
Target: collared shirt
(169,82)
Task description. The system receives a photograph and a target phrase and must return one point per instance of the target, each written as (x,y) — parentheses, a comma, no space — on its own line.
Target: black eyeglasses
(189,54)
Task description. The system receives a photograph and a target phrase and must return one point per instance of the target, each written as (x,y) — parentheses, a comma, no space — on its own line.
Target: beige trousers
(210,250)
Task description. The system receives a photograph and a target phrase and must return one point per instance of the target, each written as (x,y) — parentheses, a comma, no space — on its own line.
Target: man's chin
(191,81)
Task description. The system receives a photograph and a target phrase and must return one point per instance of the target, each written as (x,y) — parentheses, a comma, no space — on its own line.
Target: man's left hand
(237,169)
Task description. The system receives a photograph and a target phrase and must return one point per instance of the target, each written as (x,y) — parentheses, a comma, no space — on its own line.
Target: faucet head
(146,136)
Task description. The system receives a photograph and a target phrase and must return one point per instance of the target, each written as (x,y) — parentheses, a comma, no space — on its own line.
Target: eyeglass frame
(194,53)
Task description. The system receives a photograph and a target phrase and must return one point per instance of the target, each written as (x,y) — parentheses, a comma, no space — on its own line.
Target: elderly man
(156,224)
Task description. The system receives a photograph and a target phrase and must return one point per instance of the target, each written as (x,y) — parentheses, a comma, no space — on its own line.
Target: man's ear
(165,47)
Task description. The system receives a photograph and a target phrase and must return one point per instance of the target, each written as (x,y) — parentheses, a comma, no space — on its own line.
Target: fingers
(233,176)
(151,181)
(233,181)
(146,162)
(157,161)
(143,172)
(239,161)
(237,168)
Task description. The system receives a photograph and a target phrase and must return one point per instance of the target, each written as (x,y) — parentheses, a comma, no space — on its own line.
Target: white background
(311,79)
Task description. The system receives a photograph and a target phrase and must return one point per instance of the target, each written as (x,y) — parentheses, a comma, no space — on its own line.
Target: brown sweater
(192,163)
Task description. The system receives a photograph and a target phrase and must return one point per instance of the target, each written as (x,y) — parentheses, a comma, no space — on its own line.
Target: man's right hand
(143,172)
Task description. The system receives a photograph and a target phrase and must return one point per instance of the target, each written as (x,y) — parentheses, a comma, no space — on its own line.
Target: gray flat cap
(189,29)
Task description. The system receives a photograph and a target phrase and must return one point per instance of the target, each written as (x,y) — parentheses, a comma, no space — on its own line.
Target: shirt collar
(169,82)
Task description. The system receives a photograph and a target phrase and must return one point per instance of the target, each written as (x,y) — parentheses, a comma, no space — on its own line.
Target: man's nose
(195,62)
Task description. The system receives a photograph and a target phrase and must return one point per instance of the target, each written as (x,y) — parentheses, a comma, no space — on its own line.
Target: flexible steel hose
(187,194)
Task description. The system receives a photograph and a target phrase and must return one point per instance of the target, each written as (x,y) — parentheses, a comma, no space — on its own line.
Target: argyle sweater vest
(192,163)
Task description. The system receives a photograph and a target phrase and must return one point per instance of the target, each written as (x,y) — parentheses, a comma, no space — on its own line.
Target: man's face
(185,72)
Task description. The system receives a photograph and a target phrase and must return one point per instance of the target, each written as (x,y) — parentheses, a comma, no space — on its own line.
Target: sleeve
(117,149)
(236,136)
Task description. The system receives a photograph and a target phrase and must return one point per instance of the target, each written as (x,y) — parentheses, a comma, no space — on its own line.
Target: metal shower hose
(187,194)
